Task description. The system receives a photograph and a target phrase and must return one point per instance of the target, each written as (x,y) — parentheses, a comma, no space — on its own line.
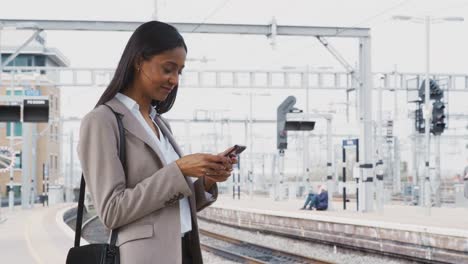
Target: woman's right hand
(201,164)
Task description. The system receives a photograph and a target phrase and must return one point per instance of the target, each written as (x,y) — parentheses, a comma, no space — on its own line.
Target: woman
(153,203)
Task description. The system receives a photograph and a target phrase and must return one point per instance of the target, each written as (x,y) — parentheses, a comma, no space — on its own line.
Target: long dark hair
(149,39)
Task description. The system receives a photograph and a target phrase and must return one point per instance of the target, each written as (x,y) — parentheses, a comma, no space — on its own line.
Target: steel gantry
(363,75)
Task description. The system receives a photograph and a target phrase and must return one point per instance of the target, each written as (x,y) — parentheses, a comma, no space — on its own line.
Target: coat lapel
(132,125)
(167,133)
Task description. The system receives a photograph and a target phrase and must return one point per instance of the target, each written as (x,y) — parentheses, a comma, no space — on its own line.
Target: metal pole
(366,135)
(27,166)
(426,186)
(357,180)
(437,178)
(238,177)
(68,183)
(281,191)
(305,158)
(44,183)
(330,186)
(251,175)
(246,135)
(34,179)
(12,171)
(274,177)
(415,177)
(347,104)
(379,141)
(397,182)
(396,174)
(155,11)
(395,95)
(344,178)
(306,138)
(11,195)
(379,122)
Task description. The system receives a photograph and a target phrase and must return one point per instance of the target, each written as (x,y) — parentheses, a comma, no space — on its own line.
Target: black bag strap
(122,154)
(79,217)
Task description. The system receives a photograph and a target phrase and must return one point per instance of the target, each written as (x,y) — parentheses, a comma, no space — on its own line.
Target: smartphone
(237,149)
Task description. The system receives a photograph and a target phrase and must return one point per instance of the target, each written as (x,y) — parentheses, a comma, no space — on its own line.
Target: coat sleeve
(116,204)
(203,198)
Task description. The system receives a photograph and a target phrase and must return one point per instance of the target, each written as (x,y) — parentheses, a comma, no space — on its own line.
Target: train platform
(440,217)
(399,229)
(37,235)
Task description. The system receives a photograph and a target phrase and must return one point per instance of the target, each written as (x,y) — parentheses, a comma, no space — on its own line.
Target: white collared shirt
(166,148)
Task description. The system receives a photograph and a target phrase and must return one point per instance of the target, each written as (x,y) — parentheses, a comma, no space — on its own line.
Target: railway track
(245,252)
(351,248)
(242,251)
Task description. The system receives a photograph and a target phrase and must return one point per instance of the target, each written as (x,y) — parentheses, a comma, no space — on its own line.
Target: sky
(394,42)
(396,45)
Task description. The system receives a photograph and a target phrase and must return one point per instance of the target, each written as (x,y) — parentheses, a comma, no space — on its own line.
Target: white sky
(394,43)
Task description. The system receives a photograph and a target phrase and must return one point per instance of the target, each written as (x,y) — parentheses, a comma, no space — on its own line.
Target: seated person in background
(311,197)
(321,203)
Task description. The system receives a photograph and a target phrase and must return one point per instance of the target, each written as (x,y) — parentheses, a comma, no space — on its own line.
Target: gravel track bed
(313,250)
(210,258)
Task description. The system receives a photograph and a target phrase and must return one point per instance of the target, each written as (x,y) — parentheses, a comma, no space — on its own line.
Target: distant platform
(403,230)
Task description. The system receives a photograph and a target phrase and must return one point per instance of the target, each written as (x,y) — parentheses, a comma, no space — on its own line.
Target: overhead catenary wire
(379,14)
(216,10)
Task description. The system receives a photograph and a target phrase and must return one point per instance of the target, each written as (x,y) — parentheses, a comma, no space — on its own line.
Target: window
(56,162)
(17,127)
(56,103)
(17,92)
(39,60)
(20,60)
(51,132)
(56,133)
(51,159)
(18,160)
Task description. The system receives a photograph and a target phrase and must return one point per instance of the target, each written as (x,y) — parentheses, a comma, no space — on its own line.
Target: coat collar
(132,125)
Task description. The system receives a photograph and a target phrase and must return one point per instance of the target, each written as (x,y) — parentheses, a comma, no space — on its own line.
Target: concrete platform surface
(36,235)
(443,220)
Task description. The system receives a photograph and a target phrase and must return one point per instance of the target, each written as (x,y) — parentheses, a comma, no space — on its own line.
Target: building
(46,136)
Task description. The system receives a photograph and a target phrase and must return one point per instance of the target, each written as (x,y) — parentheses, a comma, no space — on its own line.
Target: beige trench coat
(143,202)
